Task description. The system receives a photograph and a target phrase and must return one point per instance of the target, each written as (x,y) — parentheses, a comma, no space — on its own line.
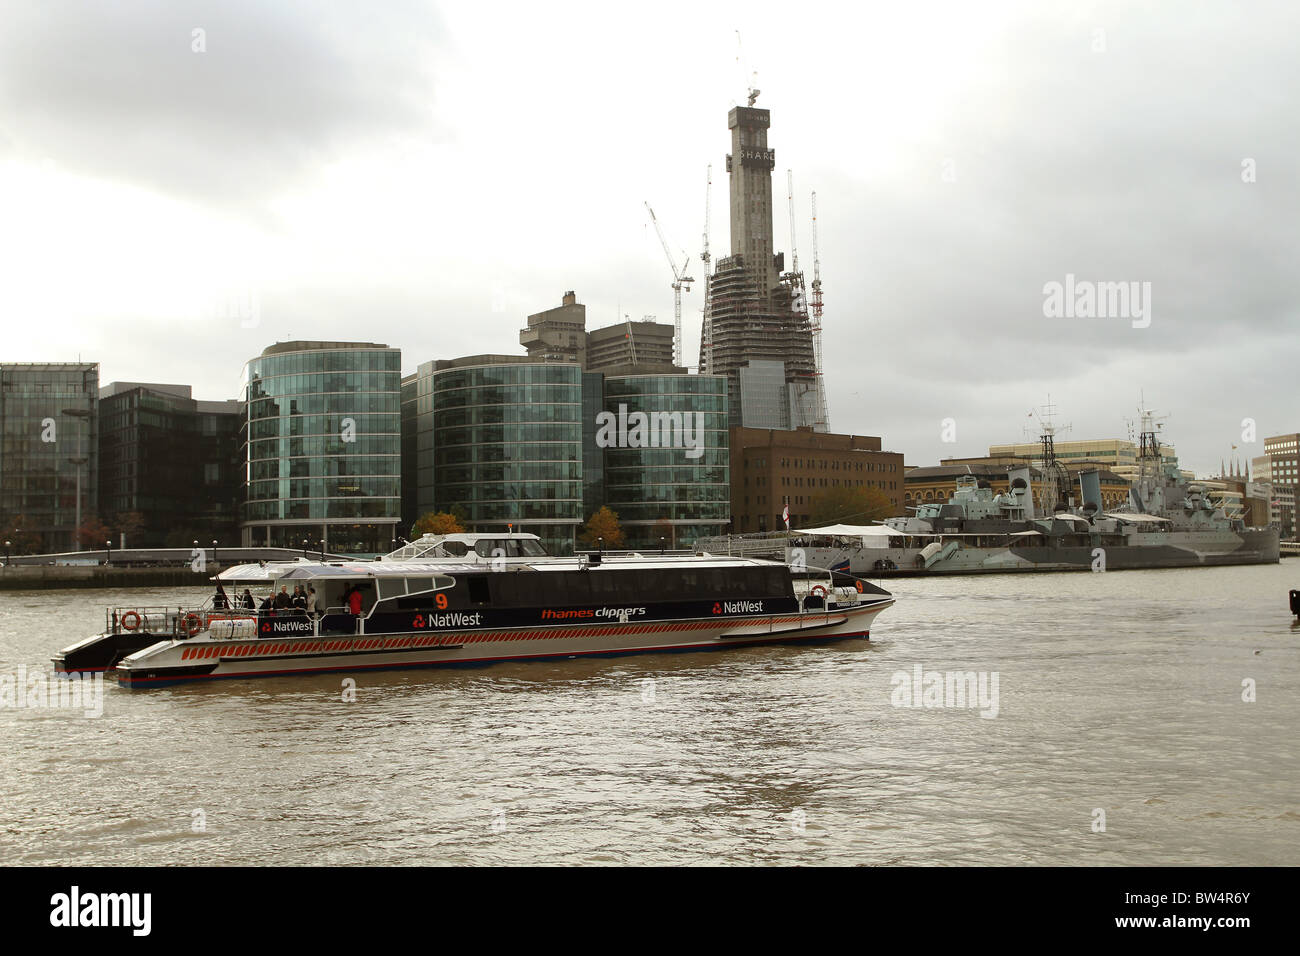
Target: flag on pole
(785,515)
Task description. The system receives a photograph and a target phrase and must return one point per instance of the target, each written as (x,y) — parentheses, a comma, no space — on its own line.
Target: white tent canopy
(849,530)
(870,535)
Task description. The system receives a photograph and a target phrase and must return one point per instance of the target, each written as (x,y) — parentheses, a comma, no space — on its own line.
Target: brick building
(769,467)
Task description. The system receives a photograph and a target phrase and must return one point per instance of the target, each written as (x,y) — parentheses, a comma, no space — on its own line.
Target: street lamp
(79,460)
(661,544)
(321,542)
(108,554)
(304,549)
(214,552)
(7,547)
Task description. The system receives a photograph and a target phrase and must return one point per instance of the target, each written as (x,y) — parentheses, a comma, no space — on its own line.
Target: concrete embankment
(49,577)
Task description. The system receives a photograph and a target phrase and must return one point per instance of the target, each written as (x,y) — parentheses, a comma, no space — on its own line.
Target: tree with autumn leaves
(437,522)
(849,505)
(603,524)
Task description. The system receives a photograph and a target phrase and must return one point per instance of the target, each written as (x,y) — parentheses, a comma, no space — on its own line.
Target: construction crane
(631,342)
(823,414)
(794,256)
(706,358)
(680,281)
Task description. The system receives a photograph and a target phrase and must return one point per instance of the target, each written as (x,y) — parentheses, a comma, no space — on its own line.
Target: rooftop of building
(644,326)
(117,388)
(941,472)
(472,361)
(630,370)
(48,366)
(312,346)
(803,438)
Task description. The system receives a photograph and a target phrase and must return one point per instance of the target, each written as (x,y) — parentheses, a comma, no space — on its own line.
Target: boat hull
(1167,550)
(202,658)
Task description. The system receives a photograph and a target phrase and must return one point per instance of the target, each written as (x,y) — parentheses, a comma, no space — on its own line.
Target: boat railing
(179,621)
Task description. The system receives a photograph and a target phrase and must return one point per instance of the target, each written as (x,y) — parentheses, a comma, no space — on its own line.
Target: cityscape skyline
(942,215)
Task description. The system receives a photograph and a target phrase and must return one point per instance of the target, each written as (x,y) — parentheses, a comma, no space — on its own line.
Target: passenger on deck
(354,601)
(219,600)
(248,603)
(267,606)
(299,600)
(282,600)
(314,604)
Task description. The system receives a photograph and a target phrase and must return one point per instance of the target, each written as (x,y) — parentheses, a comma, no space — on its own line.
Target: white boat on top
(477,598)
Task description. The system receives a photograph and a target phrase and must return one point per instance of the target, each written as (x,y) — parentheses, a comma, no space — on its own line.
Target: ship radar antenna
(1054,476)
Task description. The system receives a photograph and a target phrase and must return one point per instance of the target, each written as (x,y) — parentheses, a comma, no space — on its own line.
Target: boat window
(576,587)
(417,585)
(532,549)
(457,549)
(484,547)
(604,585)
(477,587)
(778,582)
(390,587)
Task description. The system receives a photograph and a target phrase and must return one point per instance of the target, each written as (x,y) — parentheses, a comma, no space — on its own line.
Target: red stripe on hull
(735,642)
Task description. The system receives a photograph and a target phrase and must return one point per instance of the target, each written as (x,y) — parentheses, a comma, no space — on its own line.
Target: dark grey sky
(427,175)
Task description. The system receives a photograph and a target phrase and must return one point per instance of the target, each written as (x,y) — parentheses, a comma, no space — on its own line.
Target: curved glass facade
(322,441)
(507,448)
(669,491)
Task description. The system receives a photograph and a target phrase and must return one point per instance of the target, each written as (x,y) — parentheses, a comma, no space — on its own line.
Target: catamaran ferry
(473,599)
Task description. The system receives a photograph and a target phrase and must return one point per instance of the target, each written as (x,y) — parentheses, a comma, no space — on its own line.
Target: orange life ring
(191,624)
(817,590)
(131,620)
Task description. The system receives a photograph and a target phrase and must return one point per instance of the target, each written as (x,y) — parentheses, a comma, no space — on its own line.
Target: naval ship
(1168,522)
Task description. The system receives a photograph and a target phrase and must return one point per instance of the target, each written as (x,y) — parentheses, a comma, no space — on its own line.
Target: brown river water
(1118,693)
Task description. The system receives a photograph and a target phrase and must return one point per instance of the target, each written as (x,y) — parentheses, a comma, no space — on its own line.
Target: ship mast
(1054,476)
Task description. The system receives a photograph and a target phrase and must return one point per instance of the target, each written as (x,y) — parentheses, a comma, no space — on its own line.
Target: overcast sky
(427,175)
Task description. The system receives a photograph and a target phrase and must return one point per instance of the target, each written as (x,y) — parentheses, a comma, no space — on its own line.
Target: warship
(1167,522)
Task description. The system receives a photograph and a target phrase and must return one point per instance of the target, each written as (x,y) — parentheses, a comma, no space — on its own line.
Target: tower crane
(706,358)
(794,255)
(680,281)
(823,414)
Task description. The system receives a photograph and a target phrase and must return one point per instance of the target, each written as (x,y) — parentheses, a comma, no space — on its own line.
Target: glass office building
(323,447)
(170,460)
(49,438)
(506,443)
(664,489)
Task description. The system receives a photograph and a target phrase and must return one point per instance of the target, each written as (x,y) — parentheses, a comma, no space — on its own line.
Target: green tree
(20,540)
(437,522)
(849,505)
(603,524)
(129,523)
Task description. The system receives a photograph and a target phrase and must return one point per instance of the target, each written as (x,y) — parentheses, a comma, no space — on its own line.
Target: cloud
(118,90)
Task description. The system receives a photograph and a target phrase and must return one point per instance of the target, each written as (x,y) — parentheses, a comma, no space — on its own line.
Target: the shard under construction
(756,326)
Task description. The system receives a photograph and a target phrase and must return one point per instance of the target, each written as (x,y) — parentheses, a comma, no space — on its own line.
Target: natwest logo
(737,607)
